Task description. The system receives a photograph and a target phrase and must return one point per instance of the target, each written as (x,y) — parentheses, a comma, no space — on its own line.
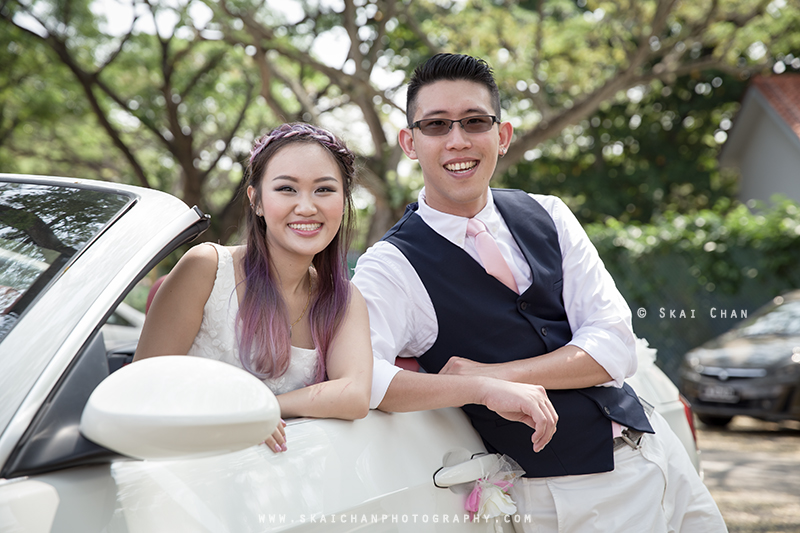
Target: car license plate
(718,393)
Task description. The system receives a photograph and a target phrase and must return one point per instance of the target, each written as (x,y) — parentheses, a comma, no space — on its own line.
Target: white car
(180,436)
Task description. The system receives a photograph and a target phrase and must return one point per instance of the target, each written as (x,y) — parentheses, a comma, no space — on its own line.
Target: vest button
(607,410)
(523,305)
(544,331)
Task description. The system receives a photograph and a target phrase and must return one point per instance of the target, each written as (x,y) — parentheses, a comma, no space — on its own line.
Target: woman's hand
(277,441)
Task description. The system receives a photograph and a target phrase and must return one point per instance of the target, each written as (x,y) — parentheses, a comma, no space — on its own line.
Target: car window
(118,320)
(781,320)
(42,228)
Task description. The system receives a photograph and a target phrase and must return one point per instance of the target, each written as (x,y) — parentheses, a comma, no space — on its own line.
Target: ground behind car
(752,469)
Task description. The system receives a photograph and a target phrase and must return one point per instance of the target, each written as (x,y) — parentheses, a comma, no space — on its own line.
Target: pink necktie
(490,254)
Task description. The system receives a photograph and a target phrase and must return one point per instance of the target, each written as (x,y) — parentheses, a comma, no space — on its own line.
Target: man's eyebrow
(466,112)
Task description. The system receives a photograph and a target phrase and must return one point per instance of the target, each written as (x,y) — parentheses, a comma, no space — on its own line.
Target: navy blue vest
(481,319)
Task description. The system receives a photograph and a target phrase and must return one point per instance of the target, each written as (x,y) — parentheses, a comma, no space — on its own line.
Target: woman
(281,306)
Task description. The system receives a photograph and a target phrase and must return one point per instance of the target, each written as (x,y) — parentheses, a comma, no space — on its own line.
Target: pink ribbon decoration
(492,490)
(473,503)
(474,500)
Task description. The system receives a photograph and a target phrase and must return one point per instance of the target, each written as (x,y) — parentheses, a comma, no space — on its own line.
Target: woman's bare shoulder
(202,258)
(357,302)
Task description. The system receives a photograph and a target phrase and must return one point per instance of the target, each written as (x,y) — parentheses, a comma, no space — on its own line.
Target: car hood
(746,352)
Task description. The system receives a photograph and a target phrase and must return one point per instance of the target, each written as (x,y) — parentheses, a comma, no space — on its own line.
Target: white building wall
(769,163)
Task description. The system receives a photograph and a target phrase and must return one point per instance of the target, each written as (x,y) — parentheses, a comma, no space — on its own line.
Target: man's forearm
(568,367)
(418,391)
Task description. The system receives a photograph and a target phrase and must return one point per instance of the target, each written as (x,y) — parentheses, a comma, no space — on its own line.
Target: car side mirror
(179,406)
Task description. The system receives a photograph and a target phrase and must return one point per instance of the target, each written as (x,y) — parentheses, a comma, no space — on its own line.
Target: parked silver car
(180,435)
(752,370)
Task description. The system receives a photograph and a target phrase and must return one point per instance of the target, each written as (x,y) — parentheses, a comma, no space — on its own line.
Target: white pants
(653,489)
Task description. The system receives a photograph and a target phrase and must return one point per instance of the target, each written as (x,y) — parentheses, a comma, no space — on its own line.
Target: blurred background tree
(157,109)
(617,105)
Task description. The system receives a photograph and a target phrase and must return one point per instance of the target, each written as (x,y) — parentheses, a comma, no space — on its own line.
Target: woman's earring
(502,151)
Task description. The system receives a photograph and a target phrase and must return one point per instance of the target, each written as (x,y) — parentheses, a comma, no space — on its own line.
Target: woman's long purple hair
(263,321)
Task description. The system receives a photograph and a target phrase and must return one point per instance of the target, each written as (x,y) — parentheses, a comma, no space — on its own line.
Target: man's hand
(524,403)
(518,402)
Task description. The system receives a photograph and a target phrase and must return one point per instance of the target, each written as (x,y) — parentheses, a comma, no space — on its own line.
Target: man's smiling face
(457,167)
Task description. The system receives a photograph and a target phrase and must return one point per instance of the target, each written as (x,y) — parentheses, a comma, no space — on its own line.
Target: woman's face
(302,200)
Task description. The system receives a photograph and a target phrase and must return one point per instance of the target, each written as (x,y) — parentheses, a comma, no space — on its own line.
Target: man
(501,296)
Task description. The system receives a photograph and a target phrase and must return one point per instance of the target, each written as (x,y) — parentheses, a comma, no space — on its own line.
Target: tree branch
(86,81)
(265,71)
(231,215)
(118,51)
(386,13)
(349,24)
(416,30)
(233,130)
(212,63)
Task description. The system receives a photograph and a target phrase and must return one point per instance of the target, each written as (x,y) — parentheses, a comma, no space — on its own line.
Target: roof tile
(783,94)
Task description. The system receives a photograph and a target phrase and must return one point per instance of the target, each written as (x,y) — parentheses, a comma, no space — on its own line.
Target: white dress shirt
(403,320)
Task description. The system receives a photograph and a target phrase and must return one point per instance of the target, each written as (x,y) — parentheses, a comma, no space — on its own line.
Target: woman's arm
(349,367)
(176,312)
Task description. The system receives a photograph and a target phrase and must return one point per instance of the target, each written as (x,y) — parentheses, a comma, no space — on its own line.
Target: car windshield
(781,320)
(42,228)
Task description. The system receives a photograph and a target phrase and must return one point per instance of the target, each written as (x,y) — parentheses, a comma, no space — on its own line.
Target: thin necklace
(308,301)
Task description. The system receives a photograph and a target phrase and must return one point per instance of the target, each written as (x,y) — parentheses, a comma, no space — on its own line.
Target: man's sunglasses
(435,127)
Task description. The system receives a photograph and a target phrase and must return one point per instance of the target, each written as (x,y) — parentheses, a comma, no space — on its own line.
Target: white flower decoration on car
(489,497)
(494,501)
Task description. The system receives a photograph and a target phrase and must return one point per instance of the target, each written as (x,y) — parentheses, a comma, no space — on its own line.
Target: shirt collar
(453,227)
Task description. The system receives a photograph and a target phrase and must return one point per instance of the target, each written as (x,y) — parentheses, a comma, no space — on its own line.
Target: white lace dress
(217,336)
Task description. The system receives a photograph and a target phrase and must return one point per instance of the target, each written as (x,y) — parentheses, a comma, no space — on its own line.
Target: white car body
(374,474)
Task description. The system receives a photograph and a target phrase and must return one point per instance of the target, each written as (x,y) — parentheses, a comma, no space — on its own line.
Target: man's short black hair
(451,67)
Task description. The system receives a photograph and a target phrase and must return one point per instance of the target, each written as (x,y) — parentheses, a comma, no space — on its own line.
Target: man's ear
(406,140)
(506,132)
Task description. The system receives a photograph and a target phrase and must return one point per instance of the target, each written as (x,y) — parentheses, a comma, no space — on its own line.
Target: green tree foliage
(167,103)
(723,258)
(43,113)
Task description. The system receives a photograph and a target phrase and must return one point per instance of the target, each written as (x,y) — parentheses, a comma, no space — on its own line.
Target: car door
(71,249)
